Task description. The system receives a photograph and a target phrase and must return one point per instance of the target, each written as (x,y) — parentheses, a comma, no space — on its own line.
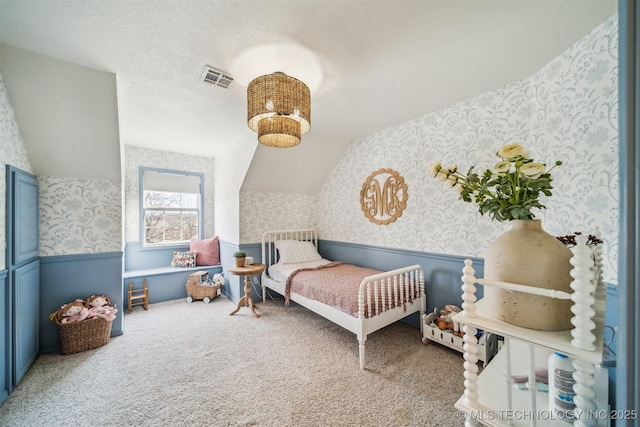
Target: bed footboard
(389,290)
(387,297)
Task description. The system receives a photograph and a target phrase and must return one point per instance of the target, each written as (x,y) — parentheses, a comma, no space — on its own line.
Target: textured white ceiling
(377,63)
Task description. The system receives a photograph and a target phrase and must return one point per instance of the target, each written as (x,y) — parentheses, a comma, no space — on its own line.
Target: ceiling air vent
(216,77)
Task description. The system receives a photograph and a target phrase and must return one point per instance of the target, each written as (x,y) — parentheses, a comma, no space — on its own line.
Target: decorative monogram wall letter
(383,196)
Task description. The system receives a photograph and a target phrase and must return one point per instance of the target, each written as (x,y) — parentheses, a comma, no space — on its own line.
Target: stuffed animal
(99,306)
(218,279)
(74,312)
(449,311)
(445,322)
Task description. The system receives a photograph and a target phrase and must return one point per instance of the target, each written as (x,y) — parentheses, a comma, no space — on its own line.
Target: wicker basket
(87,334)
(197,291)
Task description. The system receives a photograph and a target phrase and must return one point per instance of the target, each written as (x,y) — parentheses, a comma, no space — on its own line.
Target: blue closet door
(22,303)
(26,297)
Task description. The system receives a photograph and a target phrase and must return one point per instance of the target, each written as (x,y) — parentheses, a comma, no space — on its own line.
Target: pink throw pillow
(207,251)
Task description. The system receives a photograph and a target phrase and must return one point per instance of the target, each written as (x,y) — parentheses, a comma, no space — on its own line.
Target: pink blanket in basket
(334,284)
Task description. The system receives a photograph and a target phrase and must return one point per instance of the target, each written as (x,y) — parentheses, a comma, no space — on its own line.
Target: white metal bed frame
(388,295)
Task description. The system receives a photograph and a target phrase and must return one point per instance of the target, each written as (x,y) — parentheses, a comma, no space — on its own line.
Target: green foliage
(508,191)
(239,254)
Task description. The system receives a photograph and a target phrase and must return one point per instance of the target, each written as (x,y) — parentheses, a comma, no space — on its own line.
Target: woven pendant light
(278,109)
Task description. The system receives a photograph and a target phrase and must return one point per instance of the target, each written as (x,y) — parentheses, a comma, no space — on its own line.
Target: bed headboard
(269,252)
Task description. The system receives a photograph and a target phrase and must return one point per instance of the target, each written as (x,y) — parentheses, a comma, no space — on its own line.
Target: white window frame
(142,211)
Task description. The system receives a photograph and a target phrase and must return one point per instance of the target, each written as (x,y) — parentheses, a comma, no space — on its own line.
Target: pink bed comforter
(334,284)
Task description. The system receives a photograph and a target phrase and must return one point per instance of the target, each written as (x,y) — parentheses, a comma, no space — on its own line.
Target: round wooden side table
(247,271)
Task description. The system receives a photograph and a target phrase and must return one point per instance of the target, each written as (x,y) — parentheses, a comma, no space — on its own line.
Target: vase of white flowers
(525,254)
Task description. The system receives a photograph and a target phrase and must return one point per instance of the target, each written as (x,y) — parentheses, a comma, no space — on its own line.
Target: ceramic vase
(527,255)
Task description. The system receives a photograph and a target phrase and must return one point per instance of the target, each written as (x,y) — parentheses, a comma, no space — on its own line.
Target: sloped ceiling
(371,63)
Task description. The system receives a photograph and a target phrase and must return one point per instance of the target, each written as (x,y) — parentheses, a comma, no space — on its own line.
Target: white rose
(503,166)
(511,151)
(532,170)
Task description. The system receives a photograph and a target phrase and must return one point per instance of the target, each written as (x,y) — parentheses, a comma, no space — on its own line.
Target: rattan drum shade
(278,109)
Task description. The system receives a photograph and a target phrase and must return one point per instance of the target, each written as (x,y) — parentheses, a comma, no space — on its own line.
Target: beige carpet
(181,364)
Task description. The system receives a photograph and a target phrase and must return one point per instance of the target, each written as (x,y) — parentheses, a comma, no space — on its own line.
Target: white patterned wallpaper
(260,214)
(135,157)
(12,152)
(79,216)
(567,111)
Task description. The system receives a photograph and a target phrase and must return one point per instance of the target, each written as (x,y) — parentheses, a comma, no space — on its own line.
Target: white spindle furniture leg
(583,285)
(470,345)
(585,398)
(469,289)
(470,355)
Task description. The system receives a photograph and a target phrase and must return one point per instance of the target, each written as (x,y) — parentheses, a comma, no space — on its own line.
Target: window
(171,206)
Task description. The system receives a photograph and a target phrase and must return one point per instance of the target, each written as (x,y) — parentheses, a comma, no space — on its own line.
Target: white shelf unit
(490,398)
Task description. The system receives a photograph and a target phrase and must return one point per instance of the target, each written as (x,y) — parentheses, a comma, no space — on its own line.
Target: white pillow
(295,251)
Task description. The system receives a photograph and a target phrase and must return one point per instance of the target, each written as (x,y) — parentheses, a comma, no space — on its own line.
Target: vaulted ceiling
(370,64)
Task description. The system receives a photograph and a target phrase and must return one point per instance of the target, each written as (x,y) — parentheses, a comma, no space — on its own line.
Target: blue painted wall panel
(167,286)
(26,345)
(64,278)
(24,235)
(232,289)
(5,330)
(164,287)
(138,258)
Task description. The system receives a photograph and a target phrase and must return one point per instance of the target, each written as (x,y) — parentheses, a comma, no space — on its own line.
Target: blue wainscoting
(164,282)
(234,287)
(64,278)
(137,257)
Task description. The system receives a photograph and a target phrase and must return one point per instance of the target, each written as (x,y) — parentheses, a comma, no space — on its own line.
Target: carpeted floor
(181,364)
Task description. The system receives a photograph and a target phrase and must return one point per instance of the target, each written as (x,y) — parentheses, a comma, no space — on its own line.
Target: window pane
(190,225)
(170,226)
(154,227)
(161,199)
(171,206)
(189,201)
